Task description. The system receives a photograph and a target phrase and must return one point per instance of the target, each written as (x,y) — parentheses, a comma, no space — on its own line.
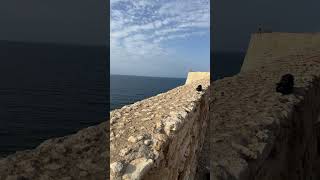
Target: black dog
(285,86)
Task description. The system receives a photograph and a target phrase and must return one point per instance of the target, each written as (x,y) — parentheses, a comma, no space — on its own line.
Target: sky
(59,21)
(163,38)
(234,21)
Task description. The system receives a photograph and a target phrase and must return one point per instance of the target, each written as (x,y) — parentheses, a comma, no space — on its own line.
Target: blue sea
(126,90)
(49,90)
(226,64)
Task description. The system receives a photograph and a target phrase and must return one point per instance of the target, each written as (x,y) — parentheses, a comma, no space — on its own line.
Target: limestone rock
(245,151)
(147,142)
(124,151)
(137,168)
(116,168)
(171,124)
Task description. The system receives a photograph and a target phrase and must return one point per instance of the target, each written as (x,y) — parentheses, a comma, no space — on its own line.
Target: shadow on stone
(130,169)
(286,84)
(298,91)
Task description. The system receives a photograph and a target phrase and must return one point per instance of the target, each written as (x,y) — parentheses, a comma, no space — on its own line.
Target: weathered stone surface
(169,132)
(80,156)
(116,168)
(124,151)
(258,133)
(147,142)
(137,169)
(196,76)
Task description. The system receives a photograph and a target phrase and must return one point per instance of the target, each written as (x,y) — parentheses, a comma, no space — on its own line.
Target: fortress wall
(264,47)
(195,76)
(257,133)
(295,154)
(160,137)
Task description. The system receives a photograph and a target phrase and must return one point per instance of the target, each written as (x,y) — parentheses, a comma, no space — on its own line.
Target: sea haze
(126,90)
(49,90)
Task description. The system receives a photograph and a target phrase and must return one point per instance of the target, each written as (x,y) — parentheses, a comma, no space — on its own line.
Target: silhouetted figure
(285,86)
(259,28)
(199,88)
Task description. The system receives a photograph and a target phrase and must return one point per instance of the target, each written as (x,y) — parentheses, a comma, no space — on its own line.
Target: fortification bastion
(195,76)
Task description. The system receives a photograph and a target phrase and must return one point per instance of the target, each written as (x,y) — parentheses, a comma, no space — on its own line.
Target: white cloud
(140,27)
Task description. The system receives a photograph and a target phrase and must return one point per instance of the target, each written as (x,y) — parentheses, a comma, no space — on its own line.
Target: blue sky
(163,38)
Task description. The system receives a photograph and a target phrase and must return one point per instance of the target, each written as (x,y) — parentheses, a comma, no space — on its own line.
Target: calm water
(226,64)
(129,89)
(49,91)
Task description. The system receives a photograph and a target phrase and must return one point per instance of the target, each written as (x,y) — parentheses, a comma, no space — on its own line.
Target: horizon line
(148,76)
(55,43)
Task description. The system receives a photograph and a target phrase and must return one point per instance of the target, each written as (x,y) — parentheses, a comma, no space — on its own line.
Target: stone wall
(195,76)
(160,137)
(257,133)
(81,156)
(265,46)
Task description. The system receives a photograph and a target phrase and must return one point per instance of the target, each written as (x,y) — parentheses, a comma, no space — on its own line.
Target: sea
(126,90)
(226,64)
(49,90)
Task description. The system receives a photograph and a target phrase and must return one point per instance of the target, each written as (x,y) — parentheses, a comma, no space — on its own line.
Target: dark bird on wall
(285,86)
(199,88)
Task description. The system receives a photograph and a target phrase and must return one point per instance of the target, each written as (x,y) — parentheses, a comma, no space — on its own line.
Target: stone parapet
(160,137)
(195,76)
(258,133)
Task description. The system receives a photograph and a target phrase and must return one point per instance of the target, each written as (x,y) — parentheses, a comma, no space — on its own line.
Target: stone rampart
(258,133)
(160,137)
(195,76)
(265,46)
